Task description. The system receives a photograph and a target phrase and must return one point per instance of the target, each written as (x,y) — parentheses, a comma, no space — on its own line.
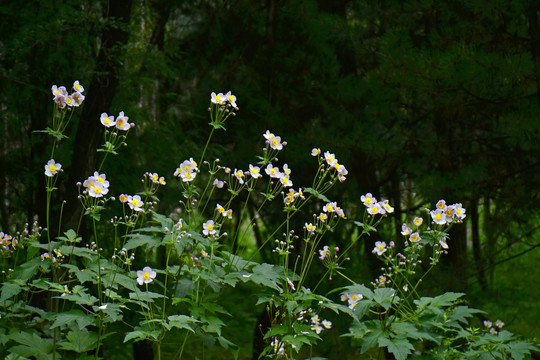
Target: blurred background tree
(420,99)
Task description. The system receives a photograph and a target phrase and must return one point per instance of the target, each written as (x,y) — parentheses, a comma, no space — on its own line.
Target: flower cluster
(96,185)
(7,240)
(318,326)
(332,162)
(121,122)
(446,214)
(376,207)
(292,195)
(135,202)
(187,170)
(224,212)
(493,329)
(352,299)
(225,100)
(63,99)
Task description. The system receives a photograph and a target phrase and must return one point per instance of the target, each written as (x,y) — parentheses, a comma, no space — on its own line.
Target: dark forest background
(421,100)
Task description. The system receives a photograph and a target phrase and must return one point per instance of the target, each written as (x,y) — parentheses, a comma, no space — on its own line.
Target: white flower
(443,244)
(459,211)
(217,99)
(315,319)
(231,99)
(107,120)
(438,216)
(387,207)
(122,122)
(286,169)
(441,204)
(218,183)
(315,152)
(272,171)
(330,158)
(499,324)
(405,230)
(310,227)
(103,307)
(135,203)
(187,176)
(268,135)
(418,221)
(146,275)
(327,324)
(324,252)
(220,209)
(368,199)
(330,207)
(59,90)
(208,228)
(375,209)
(239,174)
(380,247)
(275,143)
(285,180)
(52,168)
(97,190)
(415,237)
(78,87)
(255,171)
(317,328)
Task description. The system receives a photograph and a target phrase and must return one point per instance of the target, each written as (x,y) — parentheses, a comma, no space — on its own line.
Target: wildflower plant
(90,294)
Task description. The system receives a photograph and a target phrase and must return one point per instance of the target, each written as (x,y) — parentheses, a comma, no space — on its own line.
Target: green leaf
(406,329)
(32,345)
(385,297)
(399,347)
(9,289)
(359,289)
(316,194)
(366,228)
(180,322)
(214,324)
(70,237)
(80,341)
(267,275)
(518,350)
(27,270)
(461,313)
(372,334)
(139,335)
(138,240)
(73,317)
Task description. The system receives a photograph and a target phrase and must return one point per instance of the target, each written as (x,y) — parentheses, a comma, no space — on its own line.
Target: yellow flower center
(254,171)
(285,180)
(77,87)
(107,120)
(232,98)
(146,276)
(369,200)
(218,98)
(187,167)
(100,180)
(438,216)
(440,205)
(275,142)
(310,226)
(221,209)
(123,198)
(239,173)
(120,122)
(68,100)
(52,168)
(458,210)
(188,175)
(331,158)
(155,178)
(329,208)
(374,209)
(273,171)
(97,189)
(210,227)
(380,247)
(135,202)
(354,297)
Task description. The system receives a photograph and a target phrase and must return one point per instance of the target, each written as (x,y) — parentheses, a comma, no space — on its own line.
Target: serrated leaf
(266,274)
(519,350)
(32,345)
(316,194)
(138,240)
(385,297)
(9,289)
(180,322)
(27,270)
(139,335)
(399,347)
(80,341)
(73,317)
(372,334)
